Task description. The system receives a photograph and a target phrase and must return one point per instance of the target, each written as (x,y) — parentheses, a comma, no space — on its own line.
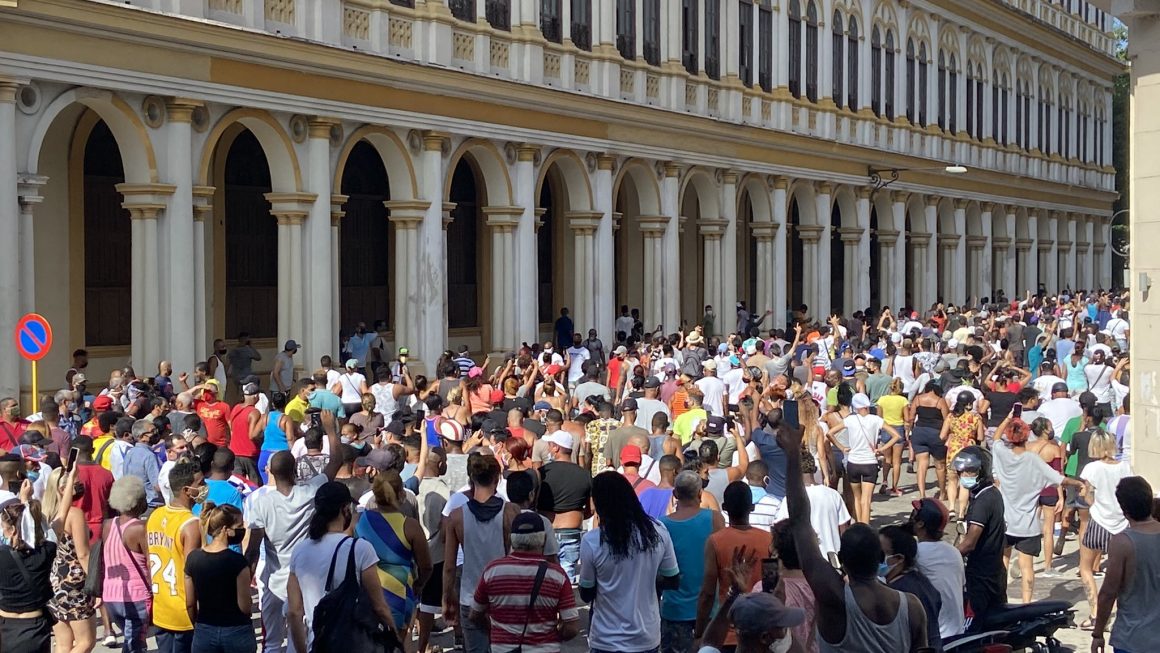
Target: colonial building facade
(173,171)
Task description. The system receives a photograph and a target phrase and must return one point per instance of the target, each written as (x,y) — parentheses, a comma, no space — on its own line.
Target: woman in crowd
(865,450)
(1106,518)
(274,425)
(217,585)
(962,428)
(71,607)
(814,441)
(328,545)
(404,561)
(350,387)
(477,391)
(25,567)
(368,422)
(1049,450)
(125,554)
(925,416)
(892,408)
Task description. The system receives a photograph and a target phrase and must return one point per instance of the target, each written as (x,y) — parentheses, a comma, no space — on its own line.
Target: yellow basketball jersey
(167,567)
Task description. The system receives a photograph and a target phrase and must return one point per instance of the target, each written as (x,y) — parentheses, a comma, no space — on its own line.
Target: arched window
(765,47)
(499,14)
(876,71)
(1004,108)
(922,85)
(463,9)
(795,48)
(953,118)
(1044,120)
(888,76)
(812,51)
(971,100)
(1027,115)
(689,29)
(626,28)
(852,72)
(909,103)
(838,74)
(942,90)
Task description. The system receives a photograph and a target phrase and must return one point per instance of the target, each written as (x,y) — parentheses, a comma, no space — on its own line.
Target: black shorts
(856,473)
(1032,546)
(431,598)
(924,439)
(1048,500)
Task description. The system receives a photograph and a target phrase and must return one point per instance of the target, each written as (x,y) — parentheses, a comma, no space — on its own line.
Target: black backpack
(344,620)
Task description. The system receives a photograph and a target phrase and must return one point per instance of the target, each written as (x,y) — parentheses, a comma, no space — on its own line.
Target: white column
(1069,241)
(959,271)
(1090,280)
(178,255)
(584,226)
(29,195)
(1010,283)
(317,282)
(713,277)
(430,296)
(767,260)
(889,275)
(729,242)
(291,211)
(10,246)
(778,273)
(1034,274)
(336,216)
(1104,274)
(407,218)
(861,259)
(850,281)
(974,267)
(984,271)
(202,217)
(925,281)
(652,229)
(670,269)
(930,284)
(1000,263)
(527,287)
(811,271)
(605,308)
(897,279)
(502,222)
(824,304)
(145,202)
(1054,283)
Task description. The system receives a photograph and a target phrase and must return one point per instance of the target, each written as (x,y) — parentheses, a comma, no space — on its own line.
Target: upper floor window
(651,24)
(852,71)
(942,90)
(909,103)
(463,9)
(626,28)
(713,39)
(745,42)
(550,20)
(837,74)
(888,74)
(689,35)
(812,51)
(765,48)
(410,4)
(922,85)
(876,71)
(795,48)
(1044,114)
(953,92)
(581,24)
(971,100)
(499,14)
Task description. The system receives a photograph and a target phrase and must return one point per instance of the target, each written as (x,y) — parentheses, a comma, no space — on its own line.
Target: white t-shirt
(1118,328)
(350,384)
(624,323)
(819,390)
(385,402)
(1103,478)
(163,480)
(285,519)
(1021,477)
(1099,379)
(626,614)
(646,409)
(1042,385)
(298,449)
(942,564)
(952,396)
(713,390)
(734,384)
(310,564)
(577,356)
(827,513)
(862,431)
(650,468)
(332,375)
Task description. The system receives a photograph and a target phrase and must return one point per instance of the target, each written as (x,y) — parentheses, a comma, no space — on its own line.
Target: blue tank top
(273,439)
(689,538)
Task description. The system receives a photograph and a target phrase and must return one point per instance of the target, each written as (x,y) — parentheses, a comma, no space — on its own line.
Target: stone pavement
(887,510)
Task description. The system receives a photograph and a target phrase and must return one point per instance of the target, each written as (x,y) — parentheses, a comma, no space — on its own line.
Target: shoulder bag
(543,569)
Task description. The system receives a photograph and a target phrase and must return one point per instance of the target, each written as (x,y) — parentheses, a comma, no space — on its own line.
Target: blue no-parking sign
(33,337)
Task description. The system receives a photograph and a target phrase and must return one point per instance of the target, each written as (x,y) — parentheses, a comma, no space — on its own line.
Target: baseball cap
(860,401)
(30,452)
(715,425)
(819,370)
(652,382)
(542,405)
(380,459)
(1058,387)
(103,403)
(630,454)
(709,364)
(629,404)
(758,612)
(395,427)
(620,349)
(250,389)
(403,351)
(562,439)
(552,370)
(931,512)
(352,363)
(291,346)
(527,523)
(848,367)
(670,369)
(474,372)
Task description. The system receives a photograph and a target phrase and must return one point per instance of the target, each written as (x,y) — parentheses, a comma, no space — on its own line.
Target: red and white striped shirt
(503,593)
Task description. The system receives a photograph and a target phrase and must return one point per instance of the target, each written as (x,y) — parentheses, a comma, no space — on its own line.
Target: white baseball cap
(860,401)
(562,439)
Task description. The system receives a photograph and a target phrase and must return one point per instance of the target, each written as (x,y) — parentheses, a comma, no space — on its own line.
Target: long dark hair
(962,402)
(624,525)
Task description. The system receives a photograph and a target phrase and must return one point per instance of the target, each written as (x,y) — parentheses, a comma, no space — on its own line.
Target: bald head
(640,440)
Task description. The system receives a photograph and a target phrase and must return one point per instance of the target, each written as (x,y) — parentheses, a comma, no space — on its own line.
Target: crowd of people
(697,490)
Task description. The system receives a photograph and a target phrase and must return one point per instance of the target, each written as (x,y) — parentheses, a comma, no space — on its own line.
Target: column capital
(584,222)
(1063,246)
(1023,244)
(290,217)
(763,231)
(976,242)
(729,177)
(181,109)
(850,234)
(447,208)
(202,203)
(712,228)
(899,196)
(960,205)
(1045,246)
(948,241)
(672,169)
(28,188)
(810,233)
(824,188)
(919,240)
(653,226)
(865,192)
(319,126)
(145,201)
(605,162)
(931,200)
(406,214)
(433,140)
(503,217)
(290,208)
(9,86)
(1000,241)
(526,152)
(888,237)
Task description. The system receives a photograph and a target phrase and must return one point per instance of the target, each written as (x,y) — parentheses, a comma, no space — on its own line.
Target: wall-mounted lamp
(883,177)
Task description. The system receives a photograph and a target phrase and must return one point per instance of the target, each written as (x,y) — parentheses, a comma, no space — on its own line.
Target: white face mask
(782,645)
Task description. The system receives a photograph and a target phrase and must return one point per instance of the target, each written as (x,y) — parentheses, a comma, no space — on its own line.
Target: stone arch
(918,29)
(699,211)
(490,164)
(574,173)
(802,191)
(644,179)
(753,185)
(977,54)
(394,153)
(974,219)
(1022,224)
(885,16)
(754,209)
(948,42)
(845,201)
(285,173)
(704,187)
(132,138)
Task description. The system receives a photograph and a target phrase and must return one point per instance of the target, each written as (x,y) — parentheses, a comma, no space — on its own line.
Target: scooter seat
(1009,614)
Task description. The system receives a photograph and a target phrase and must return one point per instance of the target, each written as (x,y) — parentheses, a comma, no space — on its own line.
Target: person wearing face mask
(986,526)
(173,533)
(217,585)
(898,570)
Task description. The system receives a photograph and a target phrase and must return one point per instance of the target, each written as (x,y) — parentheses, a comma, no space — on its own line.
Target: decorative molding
(29,98)
(153,111)
(299,128)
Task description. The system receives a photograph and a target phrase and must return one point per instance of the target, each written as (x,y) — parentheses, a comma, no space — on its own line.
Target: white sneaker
(110,641)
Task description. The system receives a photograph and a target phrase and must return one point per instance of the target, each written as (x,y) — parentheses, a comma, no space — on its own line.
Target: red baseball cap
(103,403)
(630,454)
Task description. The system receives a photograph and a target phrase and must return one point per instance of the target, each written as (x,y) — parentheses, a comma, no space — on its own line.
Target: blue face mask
(883,569)
(32,475)
(758,493)
(968,482)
